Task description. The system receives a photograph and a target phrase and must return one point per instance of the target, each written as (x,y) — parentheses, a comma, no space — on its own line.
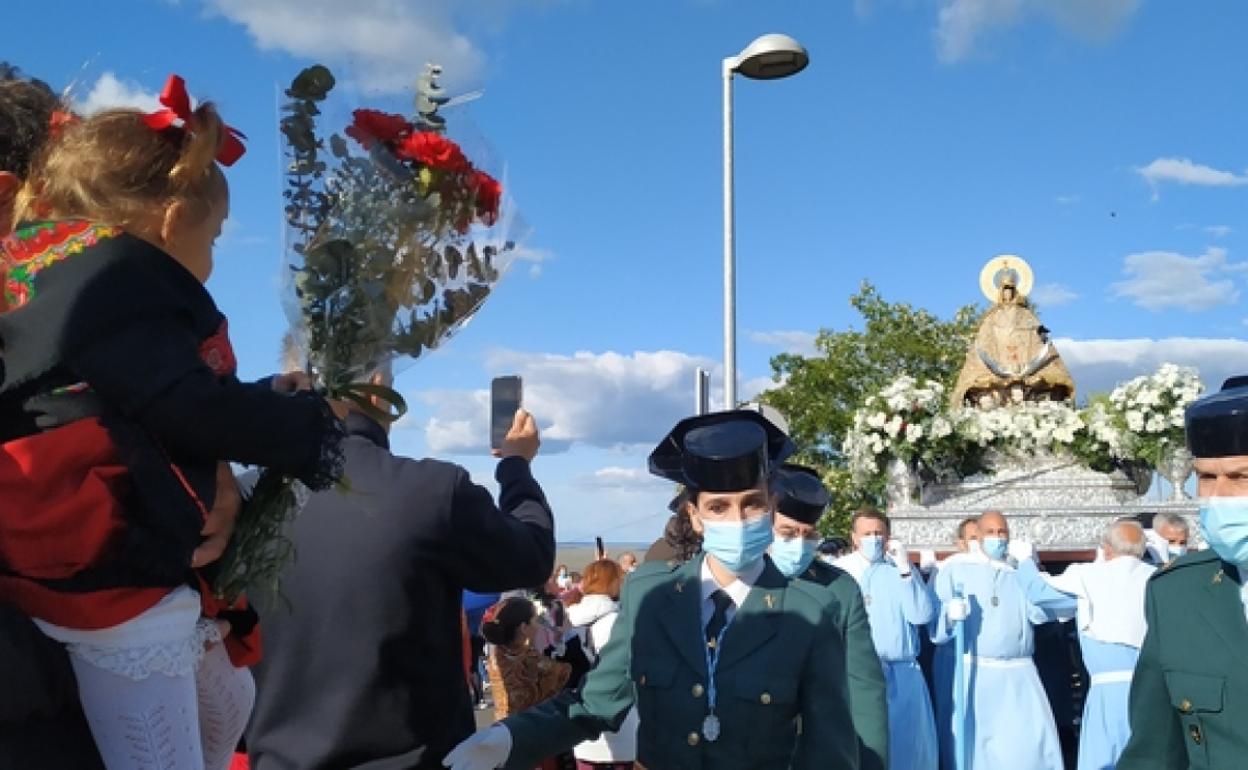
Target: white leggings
(154,698)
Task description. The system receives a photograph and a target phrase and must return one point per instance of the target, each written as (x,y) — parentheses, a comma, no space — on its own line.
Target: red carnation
(372,126)
(434,151)
(489,194)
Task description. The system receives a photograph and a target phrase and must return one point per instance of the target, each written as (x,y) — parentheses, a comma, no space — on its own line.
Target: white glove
(927,560)
(897,552)
(957,610)
(1021,550)
(485,750)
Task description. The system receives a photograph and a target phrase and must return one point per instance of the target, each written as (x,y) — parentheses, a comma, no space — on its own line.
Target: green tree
(819,394)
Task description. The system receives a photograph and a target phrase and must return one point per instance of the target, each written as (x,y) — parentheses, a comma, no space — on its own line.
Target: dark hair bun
(502,621)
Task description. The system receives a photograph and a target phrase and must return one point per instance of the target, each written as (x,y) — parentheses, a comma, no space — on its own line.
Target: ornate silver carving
(1175,467)
(902,487)
(1050,500)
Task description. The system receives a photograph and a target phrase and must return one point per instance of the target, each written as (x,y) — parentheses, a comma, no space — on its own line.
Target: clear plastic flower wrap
(395,238)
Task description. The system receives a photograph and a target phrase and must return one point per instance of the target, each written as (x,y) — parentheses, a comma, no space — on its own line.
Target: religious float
(1010,436)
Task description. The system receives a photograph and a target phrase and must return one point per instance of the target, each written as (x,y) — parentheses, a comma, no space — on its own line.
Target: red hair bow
(178,107)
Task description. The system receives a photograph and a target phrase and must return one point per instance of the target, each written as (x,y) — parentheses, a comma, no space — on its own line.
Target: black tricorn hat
(1217,425)
(800,493)
(721,452)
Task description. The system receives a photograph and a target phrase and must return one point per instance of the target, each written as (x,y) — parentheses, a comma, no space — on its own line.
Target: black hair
(26,108)
(511,613)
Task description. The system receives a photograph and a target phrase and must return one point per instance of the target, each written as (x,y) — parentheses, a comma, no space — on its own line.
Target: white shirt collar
(737,589)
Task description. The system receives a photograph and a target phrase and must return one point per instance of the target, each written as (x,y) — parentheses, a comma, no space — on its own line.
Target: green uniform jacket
(782,658)
(1189,697)
(868,693)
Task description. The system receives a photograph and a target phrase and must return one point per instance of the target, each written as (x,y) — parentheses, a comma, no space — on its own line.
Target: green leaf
(312,83)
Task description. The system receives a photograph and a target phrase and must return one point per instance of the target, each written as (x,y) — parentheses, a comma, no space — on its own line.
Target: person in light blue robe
(966,541)
(1111,622)
(897,600)
(1008,722)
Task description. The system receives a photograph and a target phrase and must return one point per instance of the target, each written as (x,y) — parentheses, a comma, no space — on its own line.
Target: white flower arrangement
(1137,423)
(905,420)
(1149,410)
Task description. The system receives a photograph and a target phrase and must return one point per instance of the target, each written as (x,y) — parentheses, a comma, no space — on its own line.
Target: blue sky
(1102,140)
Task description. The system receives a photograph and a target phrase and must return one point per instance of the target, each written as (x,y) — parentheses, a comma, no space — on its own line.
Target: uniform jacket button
(643,680)
(693,739)
(1185,706)
(765,698)
(698,690)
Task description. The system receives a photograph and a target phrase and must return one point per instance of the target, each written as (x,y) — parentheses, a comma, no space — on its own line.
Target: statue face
(1008,292)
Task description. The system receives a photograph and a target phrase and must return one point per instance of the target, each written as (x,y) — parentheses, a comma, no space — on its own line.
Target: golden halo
(998,268)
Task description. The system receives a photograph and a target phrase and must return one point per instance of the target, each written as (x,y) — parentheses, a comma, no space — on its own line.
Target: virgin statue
(1011,359)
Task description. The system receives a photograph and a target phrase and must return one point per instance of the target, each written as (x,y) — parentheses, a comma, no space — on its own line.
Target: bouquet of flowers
(904,421)
(394,240)
(1149,411)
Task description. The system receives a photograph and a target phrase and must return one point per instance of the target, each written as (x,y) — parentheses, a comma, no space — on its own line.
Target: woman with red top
(118,405)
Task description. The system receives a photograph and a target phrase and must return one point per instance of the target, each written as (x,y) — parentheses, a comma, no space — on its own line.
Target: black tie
(719,618)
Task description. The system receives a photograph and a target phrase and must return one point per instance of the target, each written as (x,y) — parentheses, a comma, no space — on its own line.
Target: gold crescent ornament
(998,268)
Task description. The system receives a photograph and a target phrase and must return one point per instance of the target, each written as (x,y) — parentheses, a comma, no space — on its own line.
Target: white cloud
(595,399)
(110,92)
(797,342)
(961,24)
(1218,231)
(1186,172)
(1053,294)
(616,477)
(1098,365)
(1068,200)
(1157,280)
(385,43)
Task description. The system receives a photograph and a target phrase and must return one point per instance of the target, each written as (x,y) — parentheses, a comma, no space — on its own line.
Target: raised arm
(504,546)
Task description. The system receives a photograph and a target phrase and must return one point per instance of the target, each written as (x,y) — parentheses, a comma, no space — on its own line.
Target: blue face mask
(1176,551)
(872,547)
(737,545)
(793,556)
(995,548)
(1225,524)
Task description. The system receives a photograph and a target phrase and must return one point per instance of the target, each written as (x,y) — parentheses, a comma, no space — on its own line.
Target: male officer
(1189,696)
(898,601)
(801,500)
(721,655)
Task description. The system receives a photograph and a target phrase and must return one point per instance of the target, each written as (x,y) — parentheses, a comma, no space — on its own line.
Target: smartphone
(505,399)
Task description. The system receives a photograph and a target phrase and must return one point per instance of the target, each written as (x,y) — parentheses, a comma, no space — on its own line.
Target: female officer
(723,656)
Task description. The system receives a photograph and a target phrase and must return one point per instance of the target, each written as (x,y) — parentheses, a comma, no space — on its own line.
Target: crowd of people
(743,640)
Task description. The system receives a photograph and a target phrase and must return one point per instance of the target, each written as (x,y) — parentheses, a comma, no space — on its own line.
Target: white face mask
(973,547)
(872,547)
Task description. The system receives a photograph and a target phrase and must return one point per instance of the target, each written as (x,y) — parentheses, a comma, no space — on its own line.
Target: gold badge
(771,601)
(1217,578)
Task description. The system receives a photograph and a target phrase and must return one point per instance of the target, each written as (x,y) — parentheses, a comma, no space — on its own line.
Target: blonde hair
(113,168)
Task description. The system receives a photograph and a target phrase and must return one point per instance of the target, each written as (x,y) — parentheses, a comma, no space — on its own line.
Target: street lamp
(767,58)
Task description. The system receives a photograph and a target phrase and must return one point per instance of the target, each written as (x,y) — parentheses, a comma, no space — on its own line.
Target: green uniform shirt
(782,659)
(868,693)
(1189,696)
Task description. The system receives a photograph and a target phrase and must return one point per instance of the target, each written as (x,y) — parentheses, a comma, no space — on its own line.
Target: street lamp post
(767,58)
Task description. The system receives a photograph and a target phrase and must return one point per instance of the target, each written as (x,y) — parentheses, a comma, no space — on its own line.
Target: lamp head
(771,57)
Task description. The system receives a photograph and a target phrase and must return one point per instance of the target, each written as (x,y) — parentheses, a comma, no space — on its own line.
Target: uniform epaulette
(1189,559)
(655,568)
